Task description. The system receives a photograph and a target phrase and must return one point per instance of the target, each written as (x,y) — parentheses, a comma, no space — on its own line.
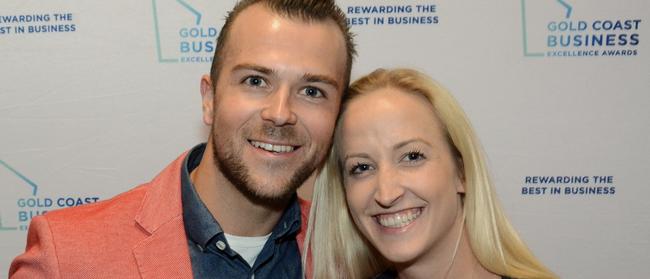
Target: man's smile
(275,148)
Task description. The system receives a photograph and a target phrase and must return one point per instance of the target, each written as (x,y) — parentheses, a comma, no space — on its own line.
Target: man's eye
(255,81)
(359,169)
(413,156)
(312,92)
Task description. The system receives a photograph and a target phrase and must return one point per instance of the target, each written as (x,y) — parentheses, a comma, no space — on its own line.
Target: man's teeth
(400,219)
(273,147)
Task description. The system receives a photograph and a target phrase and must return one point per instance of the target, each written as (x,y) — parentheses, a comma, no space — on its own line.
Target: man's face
(276,100)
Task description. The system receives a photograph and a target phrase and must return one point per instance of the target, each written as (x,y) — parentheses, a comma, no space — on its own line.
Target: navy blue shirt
(210,253)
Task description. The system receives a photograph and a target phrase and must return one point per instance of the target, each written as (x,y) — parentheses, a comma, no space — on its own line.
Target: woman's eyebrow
(406,142)
(356,155)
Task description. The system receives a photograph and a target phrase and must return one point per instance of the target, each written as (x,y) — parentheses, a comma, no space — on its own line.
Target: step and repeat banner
(97,97)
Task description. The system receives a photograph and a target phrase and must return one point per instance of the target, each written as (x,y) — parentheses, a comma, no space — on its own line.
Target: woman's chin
(404,253)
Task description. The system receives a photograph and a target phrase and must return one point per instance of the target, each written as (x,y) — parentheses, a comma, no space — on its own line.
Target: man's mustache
(278,132)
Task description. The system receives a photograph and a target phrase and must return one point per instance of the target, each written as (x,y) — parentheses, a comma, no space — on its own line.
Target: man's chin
(274,196)
(270,187)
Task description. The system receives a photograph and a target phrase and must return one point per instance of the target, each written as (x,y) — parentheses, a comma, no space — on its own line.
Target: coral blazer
(137,234)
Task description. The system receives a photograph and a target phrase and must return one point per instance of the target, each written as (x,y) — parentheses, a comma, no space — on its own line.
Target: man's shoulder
(104,237)
(99,230)
(305,206)
(78,239)
(120,208)
(123,208)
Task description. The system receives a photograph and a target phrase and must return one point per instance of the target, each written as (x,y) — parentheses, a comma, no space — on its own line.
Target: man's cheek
(322,127)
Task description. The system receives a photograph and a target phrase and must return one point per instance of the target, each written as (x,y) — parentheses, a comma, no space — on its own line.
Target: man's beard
(231,166)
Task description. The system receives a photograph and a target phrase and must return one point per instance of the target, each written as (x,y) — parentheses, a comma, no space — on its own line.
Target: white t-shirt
(248,247)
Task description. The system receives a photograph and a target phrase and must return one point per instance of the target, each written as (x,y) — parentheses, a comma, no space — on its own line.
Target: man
(228,208)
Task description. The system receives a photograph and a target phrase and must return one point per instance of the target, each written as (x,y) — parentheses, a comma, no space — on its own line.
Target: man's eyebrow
(321,78)
(253,67)
(306,77)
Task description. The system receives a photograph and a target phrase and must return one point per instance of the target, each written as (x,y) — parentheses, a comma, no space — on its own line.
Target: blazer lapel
(164,252)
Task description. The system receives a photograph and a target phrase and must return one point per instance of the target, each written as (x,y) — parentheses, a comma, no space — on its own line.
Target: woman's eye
(359,169)
(312,92)
(255,81)
(413,156)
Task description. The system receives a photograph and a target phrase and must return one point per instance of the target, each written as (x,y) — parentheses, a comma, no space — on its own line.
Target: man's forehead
(261,16)
(261,36)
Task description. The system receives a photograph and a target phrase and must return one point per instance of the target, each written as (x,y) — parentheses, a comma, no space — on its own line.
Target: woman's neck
(452,259)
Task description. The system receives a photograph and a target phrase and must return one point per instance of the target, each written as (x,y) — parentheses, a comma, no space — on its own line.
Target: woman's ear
(460,186)
(460,168)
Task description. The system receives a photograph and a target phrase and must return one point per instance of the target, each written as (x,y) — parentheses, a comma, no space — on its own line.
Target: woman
(420,203)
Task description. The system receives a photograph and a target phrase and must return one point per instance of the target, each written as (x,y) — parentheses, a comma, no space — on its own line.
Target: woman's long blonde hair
(338,250)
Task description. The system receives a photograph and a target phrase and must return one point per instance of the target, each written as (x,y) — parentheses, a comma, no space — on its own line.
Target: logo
(30,204)
(26,24)
(182,32)
(555,28)
(395,14)
(563,185)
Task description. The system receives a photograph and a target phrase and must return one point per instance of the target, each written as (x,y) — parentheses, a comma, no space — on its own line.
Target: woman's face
(401,181)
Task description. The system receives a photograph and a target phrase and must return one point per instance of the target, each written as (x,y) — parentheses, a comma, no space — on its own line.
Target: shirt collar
(289,223)
(199,223)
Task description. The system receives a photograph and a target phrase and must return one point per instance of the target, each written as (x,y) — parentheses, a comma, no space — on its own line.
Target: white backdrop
(96,97)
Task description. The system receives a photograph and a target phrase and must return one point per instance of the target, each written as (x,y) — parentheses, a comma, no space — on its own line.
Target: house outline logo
(29,182)
(34,205)
(569,10)
(553,31)
(198,34)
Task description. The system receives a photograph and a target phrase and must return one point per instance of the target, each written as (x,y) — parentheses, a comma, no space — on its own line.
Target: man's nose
(278,108)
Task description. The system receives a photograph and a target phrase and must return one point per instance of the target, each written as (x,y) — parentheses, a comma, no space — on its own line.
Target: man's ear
(207,99)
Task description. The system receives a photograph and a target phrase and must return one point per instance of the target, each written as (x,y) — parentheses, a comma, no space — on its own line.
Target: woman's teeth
(399,219)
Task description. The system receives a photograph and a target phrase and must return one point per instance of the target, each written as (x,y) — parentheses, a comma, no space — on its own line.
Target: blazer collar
(163,253)
(162,202)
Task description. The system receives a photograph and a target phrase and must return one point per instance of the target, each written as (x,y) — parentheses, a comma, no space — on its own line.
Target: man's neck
(236,214)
